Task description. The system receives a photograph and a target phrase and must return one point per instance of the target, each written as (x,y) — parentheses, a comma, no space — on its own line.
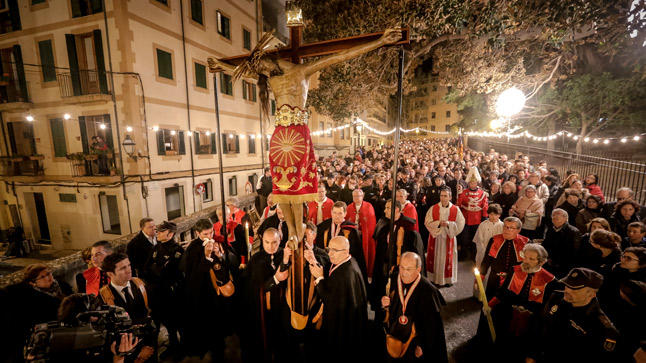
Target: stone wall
(65,268)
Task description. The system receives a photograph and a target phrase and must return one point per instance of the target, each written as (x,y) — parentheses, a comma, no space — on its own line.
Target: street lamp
(129,146)
(510,102)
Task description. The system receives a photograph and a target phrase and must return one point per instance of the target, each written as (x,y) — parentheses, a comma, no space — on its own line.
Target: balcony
(92,164)
(19,165)
(87,89)
(13,96)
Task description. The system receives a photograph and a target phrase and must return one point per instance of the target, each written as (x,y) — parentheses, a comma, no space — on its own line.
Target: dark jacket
(562,247)
(506,201)
(139,250)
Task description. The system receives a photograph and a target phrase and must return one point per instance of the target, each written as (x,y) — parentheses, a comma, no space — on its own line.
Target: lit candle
(485,304)
(480,285)
(246,233)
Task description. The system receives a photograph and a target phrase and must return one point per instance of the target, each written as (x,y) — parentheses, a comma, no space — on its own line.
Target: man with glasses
(502,254)
(414,305)
(345,313)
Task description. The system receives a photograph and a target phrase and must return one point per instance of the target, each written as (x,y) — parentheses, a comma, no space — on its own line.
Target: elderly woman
(593,209)
(529,208)
(577,185)
(626,212)
(572,204)
(607,244)
(506,198)
(494,189)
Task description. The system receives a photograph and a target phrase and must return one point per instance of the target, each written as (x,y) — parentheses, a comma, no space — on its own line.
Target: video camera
(91,337)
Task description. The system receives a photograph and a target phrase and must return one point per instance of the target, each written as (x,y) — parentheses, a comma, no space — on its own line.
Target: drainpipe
(188,106)
(116,115)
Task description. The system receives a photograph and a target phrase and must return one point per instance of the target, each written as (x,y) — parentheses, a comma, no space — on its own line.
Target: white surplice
(486,230)
(440,234)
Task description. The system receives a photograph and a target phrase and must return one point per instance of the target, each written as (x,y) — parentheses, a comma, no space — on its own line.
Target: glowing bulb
(230,136)
(623,139)
(102,126)
(208,133)
(636,138)
(242,136)
(29,118)
(576,137)
(172,132)
(155,128)
(252,136)
(595,141)
(67,116)
(586,139)
(128,128)
(510,102)
(606,141)
(189,133)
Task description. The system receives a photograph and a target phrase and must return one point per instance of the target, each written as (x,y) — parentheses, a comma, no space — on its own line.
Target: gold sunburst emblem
(287,147)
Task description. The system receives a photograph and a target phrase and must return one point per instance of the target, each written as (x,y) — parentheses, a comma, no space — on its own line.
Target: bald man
(414,302)
(345,316)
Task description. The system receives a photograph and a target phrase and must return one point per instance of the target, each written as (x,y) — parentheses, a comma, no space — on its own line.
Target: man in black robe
(345,314)
(387,255)
(278,222)
(141,246)
(207,318)
(338,226)
(414,301)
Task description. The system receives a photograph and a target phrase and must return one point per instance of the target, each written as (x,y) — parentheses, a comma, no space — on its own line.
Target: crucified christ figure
(291,154)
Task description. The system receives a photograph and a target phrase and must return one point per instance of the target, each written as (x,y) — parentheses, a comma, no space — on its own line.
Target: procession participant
(473,204)
(573,326)
(444,222)
(338,226)
(95,277)
(265,299)
(388,254)
(164,281)
(320,210)
(415,328)
(502,254)
(269,210)
(235,237)
(238,215)
(487,229)
(141,246)
(263,188)
(207,287)
(408,209)
(518,303)
(278,222)
(345,313)
(363,215)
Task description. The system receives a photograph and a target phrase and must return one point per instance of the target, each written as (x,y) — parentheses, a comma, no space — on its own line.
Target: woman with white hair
(529,208)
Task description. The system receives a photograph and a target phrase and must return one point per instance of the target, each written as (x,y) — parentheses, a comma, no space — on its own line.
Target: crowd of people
(564,268)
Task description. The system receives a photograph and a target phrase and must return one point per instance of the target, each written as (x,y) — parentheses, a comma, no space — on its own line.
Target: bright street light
(496,124)
(510,102)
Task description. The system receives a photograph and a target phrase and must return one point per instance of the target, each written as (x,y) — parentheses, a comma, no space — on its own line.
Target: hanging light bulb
(606,141)
(155,128)
(128,128)
(67,116)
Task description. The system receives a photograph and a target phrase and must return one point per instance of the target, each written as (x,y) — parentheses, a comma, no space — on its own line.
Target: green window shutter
(12,138)
(200,75)
(97,6)
(226,27)
(253,92)
(47,60)
(225,149)
(196,11)
(58,137)
(244,90)
(164,64)
(76,9)
(14,13)
(196,142)
(237,144)
(100,61)
(273,107)
(246,37)
(161,149)
(214,148)
(74,63)
(20,69)
(182,145)
(83,129)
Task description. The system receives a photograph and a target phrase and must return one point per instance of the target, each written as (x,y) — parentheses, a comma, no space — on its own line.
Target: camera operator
(129,293)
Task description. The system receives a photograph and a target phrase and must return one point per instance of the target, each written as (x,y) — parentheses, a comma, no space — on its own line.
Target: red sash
(498,240)
(430,256)
(537,286)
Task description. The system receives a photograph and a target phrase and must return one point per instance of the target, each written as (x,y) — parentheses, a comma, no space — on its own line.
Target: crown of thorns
(250,67)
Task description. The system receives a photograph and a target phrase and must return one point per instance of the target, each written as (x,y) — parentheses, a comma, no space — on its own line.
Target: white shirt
(120,290)
(152,240)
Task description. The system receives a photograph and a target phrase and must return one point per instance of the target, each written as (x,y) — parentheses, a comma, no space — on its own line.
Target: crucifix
(291,152)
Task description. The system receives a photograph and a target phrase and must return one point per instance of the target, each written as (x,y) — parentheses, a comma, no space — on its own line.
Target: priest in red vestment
(321,209)
(363,215)
(408,209)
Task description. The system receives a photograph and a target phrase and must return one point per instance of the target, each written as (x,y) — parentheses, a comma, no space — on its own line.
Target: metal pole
(398,123)
(219,143)
(188,106)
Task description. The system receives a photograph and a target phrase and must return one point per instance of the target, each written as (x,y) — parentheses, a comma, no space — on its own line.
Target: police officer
(574,328)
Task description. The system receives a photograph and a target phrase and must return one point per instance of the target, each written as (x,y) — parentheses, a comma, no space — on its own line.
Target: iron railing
(613,174)
(89,83)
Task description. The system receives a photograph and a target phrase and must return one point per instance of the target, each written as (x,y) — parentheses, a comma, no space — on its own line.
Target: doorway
(35,205)
(174,202)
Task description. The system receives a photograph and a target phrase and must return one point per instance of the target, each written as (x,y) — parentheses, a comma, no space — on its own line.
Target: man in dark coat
(205,265)
(562,242)
(141,246)
(414,301)
(276,221)
(345,316)
(338,226)
(387,254)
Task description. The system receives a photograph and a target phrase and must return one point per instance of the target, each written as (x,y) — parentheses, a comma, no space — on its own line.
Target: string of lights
(567,134)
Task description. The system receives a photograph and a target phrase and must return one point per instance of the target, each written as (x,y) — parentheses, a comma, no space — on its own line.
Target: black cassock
(345,314)
(386,264)
(423,310)
(274,222)
(351,232)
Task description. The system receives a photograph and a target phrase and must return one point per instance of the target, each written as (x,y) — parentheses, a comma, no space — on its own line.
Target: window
(170,142)
(329,133)
(196,11)
(165,2)
(252,144)
(249,91)
(224,25)
(253,180)
(273,107)
(200,75)
(230,144)
(233,186)
(67,198)
(207,196)
(266,143)
(342,134)
(86,7)
(9,17)
(58,137)
(36,2)
(98,125)
(205,142)
(433,102)
(432,115)
(21,138)
(432,127)
(109,213)
(174,202)
(448,114)
(164,64)
(47,60)
(447,128)
(321,125)
(87,65)
(226,84)
(246,39)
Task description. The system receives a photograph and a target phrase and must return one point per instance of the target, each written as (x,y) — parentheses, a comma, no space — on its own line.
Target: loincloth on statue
(291,157)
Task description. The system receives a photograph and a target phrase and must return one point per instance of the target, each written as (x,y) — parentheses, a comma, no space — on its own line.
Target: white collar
(119,288)
(321,202)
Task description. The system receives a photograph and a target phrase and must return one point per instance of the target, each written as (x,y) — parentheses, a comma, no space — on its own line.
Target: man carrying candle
(502,254)
(415,328)
(517,305)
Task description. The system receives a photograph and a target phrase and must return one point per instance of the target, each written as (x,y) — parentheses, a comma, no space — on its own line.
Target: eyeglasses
(328,250)
(629,258)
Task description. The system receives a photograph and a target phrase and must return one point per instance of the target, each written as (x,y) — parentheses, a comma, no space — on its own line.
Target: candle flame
(246,224)
(476,271)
